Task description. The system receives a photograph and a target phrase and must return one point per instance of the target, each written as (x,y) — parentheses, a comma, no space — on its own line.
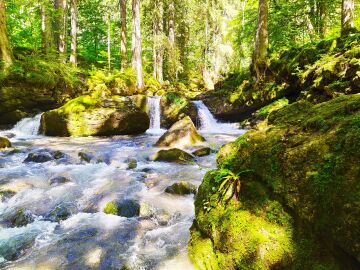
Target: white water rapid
(28,126)
(155,115)
(208,123)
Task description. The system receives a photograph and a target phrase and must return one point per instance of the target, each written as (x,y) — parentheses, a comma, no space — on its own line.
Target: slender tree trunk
(172,53)
(323,16)
(123,50)
(61,7)
(5,50)
(347,17)
(262,41)
(136,43)
(172,23)
(158,50)
(109,40)
(48,42)
(73,11)
(310,28)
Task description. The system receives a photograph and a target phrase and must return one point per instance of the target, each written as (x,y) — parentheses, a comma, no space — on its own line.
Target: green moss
(4,143)
(111,208)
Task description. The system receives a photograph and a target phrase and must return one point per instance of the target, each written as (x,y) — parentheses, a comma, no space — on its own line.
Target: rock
(205,151)
(6,195)
(146,210)
(85,156)
(181,135)
(124,208)
(163,218)
(173,155)
(58,180)
(21,218)
(4,143)
(181,188)
(174,107)
(132,163)
(98,117)
(38,157)
(301,174)
(61,212)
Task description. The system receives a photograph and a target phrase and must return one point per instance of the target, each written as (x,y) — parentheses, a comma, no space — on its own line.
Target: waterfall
(28,126)
(208,123)
(155,115)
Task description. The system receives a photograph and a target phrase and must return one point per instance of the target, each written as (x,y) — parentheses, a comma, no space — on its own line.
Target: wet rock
(181,188)
(163,218)
(4,143)
(132,163)
(6,195)
(99,117)
(146,210)
(58,180)
(38,157)
(181,135)
(9,135)
(173,155)
(84,156)
(61,212)
(21,218)
(205,151)
(124,208)
(58,155)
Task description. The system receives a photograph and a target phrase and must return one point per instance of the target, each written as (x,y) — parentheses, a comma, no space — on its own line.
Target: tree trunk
(158,50)
(109,40)
(322,7)
(73,11)
(123,50)
(347,17)
(172,23)
(172,52)
(48,42)
(61,7)
(5,50)
(262,41)
(136,43)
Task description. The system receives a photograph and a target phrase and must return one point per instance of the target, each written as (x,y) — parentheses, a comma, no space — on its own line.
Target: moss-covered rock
(181,188)
(94,116)
(299,203)
(182,134)
(173,155)
(204,151)
(4,143)
(174,107)
(124,208)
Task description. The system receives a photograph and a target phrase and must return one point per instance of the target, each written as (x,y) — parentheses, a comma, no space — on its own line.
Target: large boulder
(181,135)
(299,194)
(173,155)
(174,107)
(94,116)
(4,143)
(124,208)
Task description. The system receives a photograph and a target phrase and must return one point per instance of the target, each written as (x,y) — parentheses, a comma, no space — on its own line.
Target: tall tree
(61,8)
(5,49)
(347,16)
(123,50)
(136,43)
(73,11)
(158,50)
(109,39)
(262,41)
(48,42)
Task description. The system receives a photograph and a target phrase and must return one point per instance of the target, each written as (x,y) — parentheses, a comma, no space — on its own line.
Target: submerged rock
(58,180)
(92,116)
(61,212)
(6,194)
(205,151)
(132,163)
(21,217)
(124,208)
(181,135)
(181,188)
(299,194)
(4,143)
(173,155)
(38,157)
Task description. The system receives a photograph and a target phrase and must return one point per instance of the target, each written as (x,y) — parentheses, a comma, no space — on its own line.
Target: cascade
(155,115)
(28,126)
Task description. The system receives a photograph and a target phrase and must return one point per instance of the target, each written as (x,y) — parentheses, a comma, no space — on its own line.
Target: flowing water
(208,123)
(88,238)
(155,115)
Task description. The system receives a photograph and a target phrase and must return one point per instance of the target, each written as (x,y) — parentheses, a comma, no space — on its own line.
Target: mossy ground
(299,209)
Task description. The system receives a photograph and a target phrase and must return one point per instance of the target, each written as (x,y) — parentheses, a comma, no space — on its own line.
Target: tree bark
(123,50)
(347,17)
(73,11)
(5,50)
(48,42)
(262,41)
(61,7)
(158,51)
(136,43)
(109,39)
(323,16)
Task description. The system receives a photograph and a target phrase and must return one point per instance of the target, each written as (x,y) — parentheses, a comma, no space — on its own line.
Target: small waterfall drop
(28,126)
(155,115)
(208,123)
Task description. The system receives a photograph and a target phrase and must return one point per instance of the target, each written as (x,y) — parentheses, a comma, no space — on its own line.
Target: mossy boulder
(124,208)
(181,188)
(174,107)
(299,201)
(94,116)
(182,134)
(173,155)
(204,151)
(4,143)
